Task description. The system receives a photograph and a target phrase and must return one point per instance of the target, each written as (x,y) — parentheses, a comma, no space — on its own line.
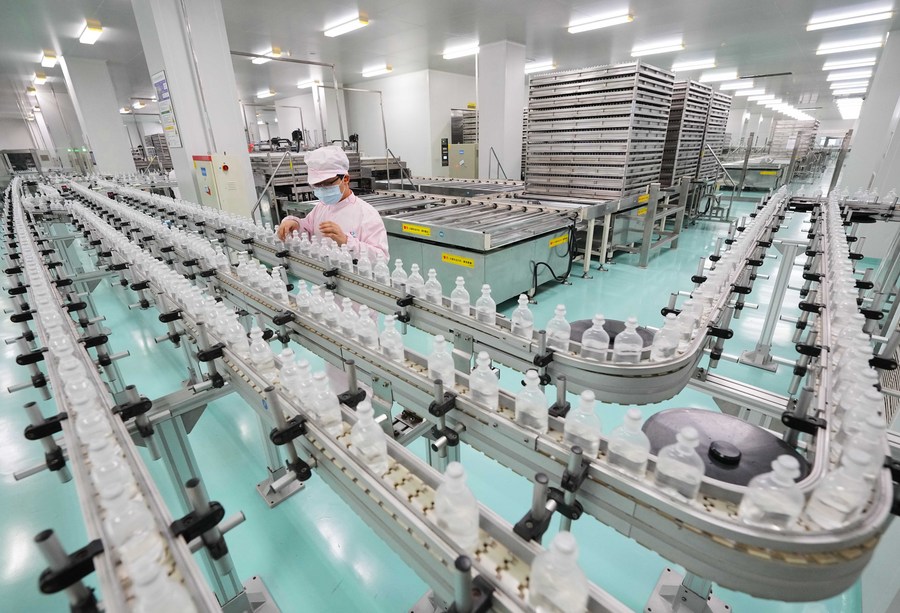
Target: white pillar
(501,98)
(61,124)
(97,108)
(751,126)
(735,126)
(765,131)
(204,94)
(877,122)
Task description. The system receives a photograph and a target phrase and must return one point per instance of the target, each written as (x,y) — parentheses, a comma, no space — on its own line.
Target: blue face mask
(328,195)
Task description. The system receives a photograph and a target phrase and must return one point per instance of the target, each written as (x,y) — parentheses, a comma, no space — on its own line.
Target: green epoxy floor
(312,551)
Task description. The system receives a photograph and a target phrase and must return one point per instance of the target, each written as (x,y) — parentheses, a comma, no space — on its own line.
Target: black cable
(571,252)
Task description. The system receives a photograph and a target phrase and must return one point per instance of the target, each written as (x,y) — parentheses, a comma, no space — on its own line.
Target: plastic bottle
(222,263)
(483,383)
(628,344)
(595,340)
(92,424)
(582,426)
(665,341)
(367,439)
(125,516)
(348,318)
(381,272)
(679,469)
(345,259)
(236,336)
(773,500)
(459,298)
(392,340)
(522,319)
(302,298)
(870,438)
(691,312)
(531,404)
(325,405)
(629,448)
(415,284)
(434,293)
(440,363)
(316,303)
(363,263)
(366,328)
(485,307)
(841,495)
(456,509)
(261,354)
(295,376)
(557,584)
(156,592)
(559,330)
(398,276)
(332,312)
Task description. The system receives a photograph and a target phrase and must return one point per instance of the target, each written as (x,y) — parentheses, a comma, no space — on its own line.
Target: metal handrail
(727,176)
(499,165)
(263,192)
(400,168)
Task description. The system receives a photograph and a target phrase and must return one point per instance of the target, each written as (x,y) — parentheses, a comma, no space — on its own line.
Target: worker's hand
(331,230)
(286,227)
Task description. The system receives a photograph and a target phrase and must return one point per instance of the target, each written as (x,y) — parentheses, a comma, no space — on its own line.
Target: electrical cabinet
(464,161)
(220,183)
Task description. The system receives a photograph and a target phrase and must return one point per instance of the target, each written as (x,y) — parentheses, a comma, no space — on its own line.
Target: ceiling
(750,36)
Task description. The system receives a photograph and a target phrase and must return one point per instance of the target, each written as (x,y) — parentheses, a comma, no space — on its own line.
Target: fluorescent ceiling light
(734,85)
(761,98)
(694,65)
(750,92)
(138,105)
(91,32)
(266,93)
(455,52)
(848,19)
(858,63)
(269,56)
(773,103)
(260,123)
(305,84)
(847,92)
(533,67)
(849,107)
(850,45)
(849,75)
(654,48)
(39,78)
(595,23)
(31,91)
(715,77)
(846,84)
(348,26)
(124,110)
(377,70)
(48,60)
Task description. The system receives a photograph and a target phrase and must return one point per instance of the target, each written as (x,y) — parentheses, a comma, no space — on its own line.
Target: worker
(339,214)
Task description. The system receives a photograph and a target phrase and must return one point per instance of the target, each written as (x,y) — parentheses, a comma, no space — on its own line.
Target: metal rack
(684,136)
(714,136)
(461,188)
(160,148)
(790,134)
(463,126)
(597,132)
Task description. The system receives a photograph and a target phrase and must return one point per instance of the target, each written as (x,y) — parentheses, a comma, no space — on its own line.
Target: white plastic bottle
(531,404)
(345,259)
(628,344)
(367,439)
(459,298)
(523,319)
(483,383)
(629,448)
(392,340)
(125,516)
(156,592)
(557,584)
(363,263)
(679,469)
(773,500)
(236,336)
(434,293)
(559,330)
(261,354)
(332,312)
(665,341)
(840,496)
(326,406)
(381,272)
(302,297)
(348,318)
(456,509)
(582,426)
(415,284)
(316,303)
(485,307)
(367,329)
(690,315)
(398,276)
(440,363)
(595,340)
(295,376)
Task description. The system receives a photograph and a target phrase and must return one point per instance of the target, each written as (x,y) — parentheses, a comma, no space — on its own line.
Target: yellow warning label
(417,230)
(642,211)
(643,198)
(768,172)
(449,258)
(559,240)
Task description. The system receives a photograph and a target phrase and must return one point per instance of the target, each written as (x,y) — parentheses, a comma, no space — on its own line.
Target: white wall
(834,127)
(14,134)
(446,91)
(290,118)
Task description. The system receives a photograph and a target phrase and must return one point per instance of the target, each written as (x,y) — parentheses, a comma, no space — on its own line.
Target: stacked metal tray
(292,171)
(687,127)
(597,132)
(785,133)
(161,149)
(714,138)
(463,126)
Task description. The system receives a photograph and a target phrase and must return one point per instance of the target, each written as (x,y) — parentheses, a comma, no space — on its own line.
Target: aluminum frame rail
(685,132)
(116,593)
(398,505)
(596,132)
(704,537)
(714,135)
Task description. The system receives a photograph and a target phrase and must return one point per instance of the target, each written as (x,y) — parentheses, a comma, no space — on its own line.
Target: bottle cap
(565,543)
(455,471)
(587,397)
(787,466)
(689,436)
